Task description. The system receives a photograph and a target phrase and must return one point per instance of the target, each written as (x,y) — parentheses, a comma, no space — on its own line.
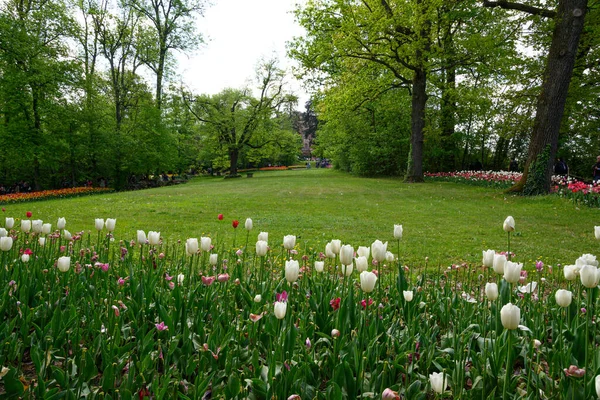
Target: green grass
(449,223)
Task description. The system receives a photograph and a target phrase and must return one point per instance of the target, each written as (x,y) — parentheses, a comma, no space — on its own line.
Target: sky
(238,33)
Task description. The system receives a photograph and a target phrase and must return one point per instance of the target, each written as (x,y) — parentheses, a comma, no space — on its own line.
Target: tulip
(205,243)
(208,280)
(398,232)
(319,265)
(235,223)
(336,246)
(46,229)
(529,288)
(25,225)
(67,235)
(61,223)
(598,385)
(42,241)
(491,291)
(64,263)
(389,256)
(389,394)
(509,224)
(191,246)
(292,269)
(180,279)
(570,272)
(563,297)
(347,269)
(289,241)
(110,224)
(378,250)
(367,281)
(597,233)
(36,225)
(153,238)
(408,295)
(257,298)
(335,333)
(99,224)
(488,258)
(438,381)
(248,224)
(346,254)
(512,272)
(25,258)
(361,263)
(297,396)
(329,250)
(308,345)
(510,315)
(220,217)
(261,248)
(29,214)
(363,251)
(10,222)
(586,259)
(3,232)
(279,309)
(141,237)
(6,243)
(213,259)
(589,276)
(264,236)
(499,262)
(223,278)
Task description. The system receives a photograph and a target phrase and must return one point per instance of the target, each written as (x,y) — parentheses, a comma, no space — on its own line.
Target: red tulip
(220,216)
(29,214)
(235,223)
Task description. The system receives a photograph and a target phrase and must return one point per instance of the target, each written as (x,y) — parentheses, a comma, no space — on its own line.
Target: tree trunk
(551,102)
(160,71)
(234,153)
(414,172)
(448,106)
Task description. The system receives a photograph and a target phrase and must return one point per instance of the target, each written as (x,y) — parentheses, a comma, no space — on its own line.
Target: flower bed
(578,191)
(498,179)
(84,314)
(51,194)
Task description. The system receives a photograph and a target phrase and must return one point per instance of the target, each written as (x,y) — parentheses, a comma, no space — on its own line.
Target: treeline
(85,97)
(439,85)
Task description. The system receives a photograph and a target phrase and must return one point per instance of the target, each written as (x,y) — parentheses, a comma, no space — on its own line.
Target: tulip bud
(308,345)
(329,250)
(42,241)
(378,250)
(213,259)
(509,224)
(10,222)
(491,291)
(488,258)
(597,382)
(248,224)
(438,381)
(153,238)
(408,295)
(3,232)
(510,315)
(25,225)
(389,394)
(6,243)
(99,224)
(110,224)
(191,246)
(335,333)
(261,248)
(289,241)
(205,243)
(264,236)
(398,232)
(141,237)
(361,263)
(46,229)
(512,272)
(292,270)
(25,258)
(389,256)
(336,246)
(257,298)
(61,223)
(279,309)
(319,265)
(589,276)
(363,251)
(67,235)
(367,281)
(346,254)
(64,263)
(36,225)
(499,263)
(180,279)
(597,233)
(536,343)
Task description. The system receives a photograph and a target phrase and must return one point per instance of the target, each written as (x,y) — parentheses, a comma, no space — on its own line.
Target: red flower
(335,303)
(28,252)
(235,223)
(29,214)
(220,216)
(363,303)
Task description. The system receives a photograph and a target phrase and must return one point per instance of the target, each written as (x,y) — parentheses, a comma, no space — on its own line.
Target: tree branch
(520,7)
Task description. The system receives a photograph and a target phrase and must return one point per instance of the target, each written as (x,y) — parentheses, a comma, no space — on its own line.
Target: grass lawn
(446,222)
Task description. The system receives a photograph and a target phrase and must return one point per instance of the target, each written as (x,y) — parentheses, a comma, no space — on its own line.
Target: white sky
(238,33)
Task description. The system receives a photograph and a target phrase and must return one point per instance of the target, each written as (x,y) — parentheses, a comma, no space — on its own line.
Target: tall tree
(568,26)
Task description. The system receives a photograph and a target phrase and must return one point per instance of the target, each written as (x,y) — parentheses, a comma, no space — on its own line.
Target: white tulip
(529,288)
(512,272)
(363,251)
(509,224)
(36,225)
(389,256)
(10,222)
(180,279)
(510,315)
(438,381)
(378,250)
(597,233)
(361,263)
(336,246)
(563,297)
(279,309)
(499,263)
(491,291)
(153,238)
(261,248)
(64,263)
(589,276)
(6,243)
(292,270)
(367,281)
(289,241)
(25,225)
(257,298)
(264,236)
(110,224)
(319,265)
(398,232)
(25,258)
(597,383)
(205,243)
(191,246)
(3,232)
(42,241)
(347,269)
(213,259)
(408,295)
(329,250)
(67,235)
(46,229)
(141,237)
(61,223)
(248,224)
(586,259)
(488,258)
(346,254)
(99,224)
(570,272)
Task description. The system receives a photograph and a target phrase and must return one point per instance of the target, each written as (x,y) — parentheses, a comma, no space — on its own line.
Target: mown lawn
(446,222)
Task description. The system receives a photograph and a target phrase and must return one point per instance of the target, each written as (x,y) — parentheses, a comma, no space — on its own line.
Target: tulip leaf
(414,391)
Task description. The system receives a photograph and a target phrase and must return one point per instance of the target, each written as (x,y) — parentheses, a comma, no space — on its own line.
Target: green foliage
(537,179)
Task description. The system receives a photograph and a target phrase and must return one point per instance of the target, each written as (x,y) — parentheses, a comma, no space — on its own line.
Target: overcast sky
(238,33)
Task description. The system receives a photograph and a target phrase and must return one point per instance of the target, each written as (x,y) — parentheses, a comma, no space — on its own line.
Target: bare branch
(520,7)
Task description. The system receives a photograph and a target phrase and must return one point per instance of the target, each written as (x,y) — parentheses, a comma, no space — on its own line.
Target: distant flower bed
(51,194)
(578,191)
(499,179)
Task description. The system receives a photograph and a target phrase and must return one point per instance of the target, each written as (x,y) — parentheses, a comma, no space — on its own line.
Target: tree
(234,116)
(568,26)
